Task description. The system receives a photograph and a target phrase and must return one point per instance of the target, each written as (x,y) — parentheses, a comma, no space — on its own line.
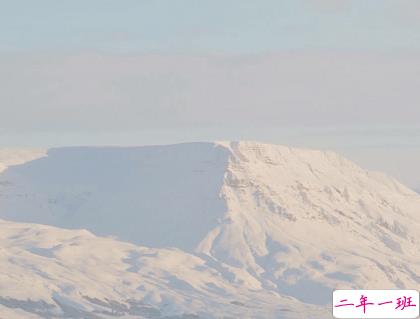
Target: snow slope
(49,271)
(11,157)
(238,229)
(156,196)
(303,221)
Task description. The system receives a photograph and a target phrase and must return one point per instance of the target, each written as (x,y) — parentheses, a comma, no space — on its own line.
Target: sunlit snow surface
(235,230)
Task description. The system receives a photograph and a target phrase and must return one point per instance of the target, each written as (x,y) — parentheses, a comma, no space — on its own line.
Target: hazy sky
(339,74)
(239,26)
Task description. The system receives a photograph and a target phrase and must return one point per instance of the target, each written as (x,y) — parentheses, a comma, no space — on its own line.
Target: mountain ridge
(269,220)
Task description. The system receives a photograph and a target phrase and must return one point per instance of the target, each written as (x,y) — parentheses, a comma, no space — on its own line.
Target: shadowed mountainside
(155,196)
(257,230)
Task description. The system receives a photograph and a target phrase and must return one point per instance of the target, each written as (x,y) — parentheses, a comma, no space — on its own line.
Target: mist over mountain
(198,230)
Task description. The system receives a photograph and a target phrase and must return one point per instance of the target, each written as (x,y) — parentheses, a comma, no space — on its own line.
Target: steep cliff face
(236,228)
(302,221)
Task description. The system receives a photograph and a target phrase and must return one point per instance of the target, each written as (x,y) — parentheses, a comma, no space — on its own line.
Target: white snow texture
(197,230)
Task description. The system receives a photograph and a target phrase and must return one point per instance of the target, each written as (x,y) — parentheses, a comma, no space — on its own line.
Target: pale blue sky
(239,26)
(338,74)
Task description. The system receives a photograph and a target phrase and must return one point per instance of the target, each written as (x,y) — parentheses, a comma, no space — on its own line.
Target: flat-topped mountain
(238,228)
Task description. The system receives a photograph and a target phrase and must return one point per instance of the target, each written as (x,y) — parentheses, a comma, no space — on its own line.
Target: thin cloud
(155,91)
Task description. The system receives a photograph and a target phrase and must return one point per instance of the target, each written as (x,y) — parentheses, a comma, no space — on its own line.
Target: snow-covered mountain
(233,230)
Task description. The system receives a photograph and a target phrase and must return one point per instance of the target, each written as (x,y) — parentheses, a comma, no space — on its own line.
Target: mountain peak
(278,220)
